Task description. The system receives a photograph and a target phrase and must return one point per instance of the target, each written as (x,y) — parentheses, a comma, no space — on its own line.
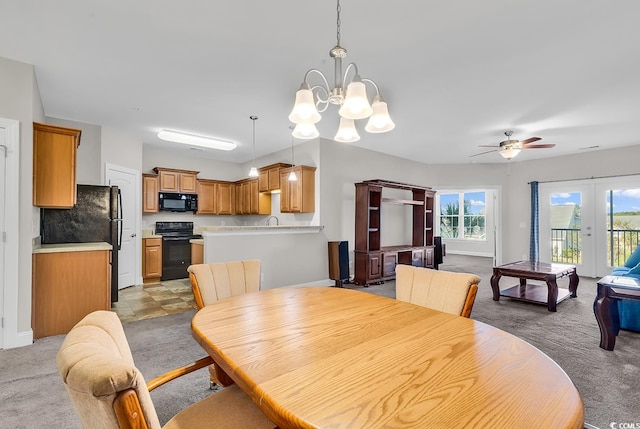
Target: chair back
(97,369)
(219,280)
(441,290)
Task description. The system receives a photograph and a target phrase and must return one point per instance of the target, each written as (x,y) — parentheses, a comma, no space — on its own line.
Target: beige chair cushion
(221,280)
(440,290)
(229,408)
(95,363)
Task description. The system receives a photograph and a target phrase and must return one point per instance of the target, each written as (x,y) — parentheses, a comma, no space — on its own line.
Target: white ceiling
(456,74)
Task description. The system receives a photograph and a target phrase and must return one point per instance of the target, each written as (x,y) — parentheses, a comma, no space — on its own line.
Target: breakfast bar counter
(260,230)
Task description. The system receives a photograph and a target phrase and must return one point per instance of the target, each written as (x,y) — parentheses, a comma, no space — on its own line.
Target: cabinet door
(238,199)
(375,266)
(169,181)
(54,166)
(224,198)
(274,178)
(263,181)
(428,257)
(390,262)
(417,258)
(152,258)
(285,191)
(206,197)
(254,197)
(295,192)
(149,193)
(188,183)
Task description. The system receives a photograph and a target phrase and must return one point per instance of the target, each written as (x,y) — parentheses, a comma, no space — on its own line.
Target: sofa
(629,310)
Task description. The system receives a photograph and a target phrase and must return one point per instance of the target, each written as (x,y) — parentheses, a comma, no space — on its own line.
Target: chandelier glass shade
(311,100)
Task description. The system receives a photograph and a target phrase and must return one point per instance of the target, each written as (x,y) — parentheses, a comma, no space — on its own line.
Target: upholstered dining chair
(218,280)
(450,292)
(108,391)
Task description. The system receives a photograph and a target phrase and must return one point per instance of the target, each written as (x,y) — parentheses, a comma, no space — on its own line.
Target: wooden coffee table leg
(495,279)
(573,284)
(604,309)
(552,294)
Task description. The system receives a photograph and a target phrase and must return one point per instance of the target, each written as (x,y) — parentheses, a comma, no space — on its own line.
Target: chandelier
(354,104)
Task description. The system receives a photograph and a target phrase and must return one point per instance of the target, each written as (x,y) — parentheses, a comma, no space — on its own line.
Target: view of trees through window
(472,217)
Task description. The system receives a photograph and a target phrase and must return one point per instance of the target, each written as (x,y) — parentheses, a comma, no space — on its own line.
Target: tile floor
(153,300)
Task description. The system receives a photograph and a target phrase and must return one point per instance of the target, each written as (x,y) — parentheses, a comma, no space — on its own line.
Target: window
(472,217)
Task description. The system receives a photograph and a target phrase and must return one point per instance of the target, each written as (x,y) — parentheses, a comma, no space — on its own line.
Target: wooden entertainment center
(375,263)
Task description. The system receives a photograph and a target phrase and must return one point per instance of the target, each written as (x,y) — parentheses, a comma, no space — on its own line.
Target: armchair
(629,311)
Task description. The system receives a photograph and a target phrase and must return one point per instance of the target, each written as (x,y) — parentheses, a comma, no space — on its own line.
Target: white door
(568,231)
(128,181)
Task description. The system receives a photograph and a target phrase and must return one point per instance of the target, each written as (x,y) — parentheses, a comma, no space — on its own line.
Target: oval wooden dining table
(324,357)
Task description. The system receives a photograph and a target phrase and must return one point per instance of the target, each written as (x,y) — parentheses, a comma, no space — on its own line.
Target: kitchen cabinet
(250,200)
(206,196)
(54,165)
(172,180)
(150,184)
(151,260)
(225,197)
(269,177)
(420,252)
(197,253)
(298,196)
(66,287)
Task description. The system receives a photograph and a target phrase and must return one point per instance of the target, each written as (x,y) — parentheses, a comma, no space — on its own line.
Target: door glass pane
(566,237)
(623,224)
(449,210)
(474,215)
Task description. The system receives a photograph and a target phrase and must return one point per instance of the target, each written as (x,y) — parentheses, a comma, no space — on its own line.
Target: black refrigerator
(97,216)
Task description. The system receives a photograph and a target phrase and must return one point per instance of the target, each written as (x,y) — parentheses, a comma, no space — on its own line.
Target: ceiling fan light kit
(509,148)
(353,102)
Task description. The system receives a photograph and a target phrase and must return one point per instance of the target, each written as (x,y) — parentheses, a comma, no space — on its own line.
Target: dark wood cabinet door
(375,265)
(390,262)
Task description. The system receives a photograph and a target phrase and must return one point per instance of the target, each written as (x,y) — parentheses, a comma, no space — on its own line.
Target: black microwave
(175,202)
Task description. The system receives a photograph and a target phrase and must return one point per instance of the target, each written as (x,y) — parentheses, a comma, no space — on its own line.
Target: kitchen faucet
(272,217)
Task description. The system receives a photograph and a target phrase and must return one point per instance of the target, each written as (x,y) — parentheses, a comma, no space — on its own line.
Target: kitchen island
(289,254)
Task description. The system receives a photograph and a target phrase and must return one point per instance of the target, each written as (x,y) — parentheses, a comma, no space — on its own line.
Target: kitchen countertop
(71,247)
(197,241)
(255,229)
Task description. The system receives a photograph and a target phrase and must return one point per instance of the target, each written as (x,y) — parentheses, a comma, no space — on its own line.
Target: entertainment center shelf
(375,263)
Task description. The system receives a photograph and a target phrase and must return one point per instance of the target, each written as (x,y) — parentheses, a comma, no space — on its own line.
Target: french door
(592,224)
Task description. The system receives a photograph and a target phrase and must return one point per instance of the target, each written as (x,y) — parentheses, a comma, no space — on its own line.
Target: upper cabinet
(298,196)
(54,165)
(206,197)
(269,179)
(150,184)
(216,197)
(177,180)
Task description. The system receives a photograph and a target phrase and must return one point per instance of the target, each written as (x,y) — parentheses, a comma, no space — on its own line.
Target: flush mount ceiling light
(353,102)
(253,172)
(194,140)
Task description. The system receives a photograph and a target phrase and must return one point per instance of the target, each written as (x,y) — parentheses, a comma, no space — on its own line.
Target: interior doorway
(128,181)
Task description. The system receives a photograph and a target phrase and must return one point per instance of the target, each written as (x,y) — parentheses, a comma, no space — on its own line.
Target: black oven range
(176,249)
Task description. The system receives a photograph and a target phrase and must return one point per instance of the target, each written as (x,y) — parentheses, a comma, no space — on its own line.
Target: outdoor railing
(566,245)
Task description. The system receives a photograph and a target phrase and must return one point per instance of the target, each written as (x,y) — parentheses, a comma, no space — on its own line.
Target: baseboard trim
(21,339)
(466,253)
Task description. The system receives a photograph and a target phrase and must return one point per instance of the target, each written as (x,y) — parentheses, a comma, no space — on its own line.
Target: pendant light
(292,175)
(253,172)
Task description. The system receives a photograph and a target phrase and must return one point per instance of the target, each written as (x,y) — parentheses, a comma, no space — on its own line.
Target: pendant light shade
(347,132)
(305,131)
(379,121)
(253,172)
(292,176)
(356,105)
(304,110)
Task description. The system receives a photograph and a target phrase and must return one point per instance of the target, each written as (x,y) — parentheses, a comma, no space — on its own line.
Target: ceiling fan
(510,148)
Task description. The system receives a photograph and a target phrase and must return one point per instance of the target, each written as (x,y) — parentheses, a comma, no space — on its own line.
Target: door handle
(133,235)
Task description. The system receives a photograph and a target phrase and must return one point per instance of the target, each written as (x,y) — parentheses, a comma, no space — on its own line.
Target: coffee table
(605,307)
(530,270)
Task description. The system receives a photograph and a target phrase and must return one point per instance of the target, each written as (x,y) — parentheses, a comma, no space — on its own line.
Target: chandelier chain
(338,9)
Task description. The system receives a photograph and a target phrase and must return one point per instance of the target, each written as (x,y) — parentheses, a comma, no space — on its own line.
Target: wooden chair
(218,280)
(108,391)
(441,290)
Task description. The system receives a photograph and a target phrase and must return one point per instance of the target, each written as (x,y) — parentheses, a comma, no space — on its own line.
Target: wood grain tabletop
(324,357)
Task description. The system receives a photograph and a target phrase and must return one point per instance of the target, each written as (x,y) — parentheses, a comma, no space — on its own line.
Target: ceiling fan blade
(537,146)
(482,153)
(488,145)
(530,140)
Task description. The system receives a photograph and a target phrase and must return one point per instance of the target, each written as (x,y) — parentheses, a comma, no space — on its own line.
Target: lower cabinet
(151,260)
(380,265)
(66,287)
(197,253)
